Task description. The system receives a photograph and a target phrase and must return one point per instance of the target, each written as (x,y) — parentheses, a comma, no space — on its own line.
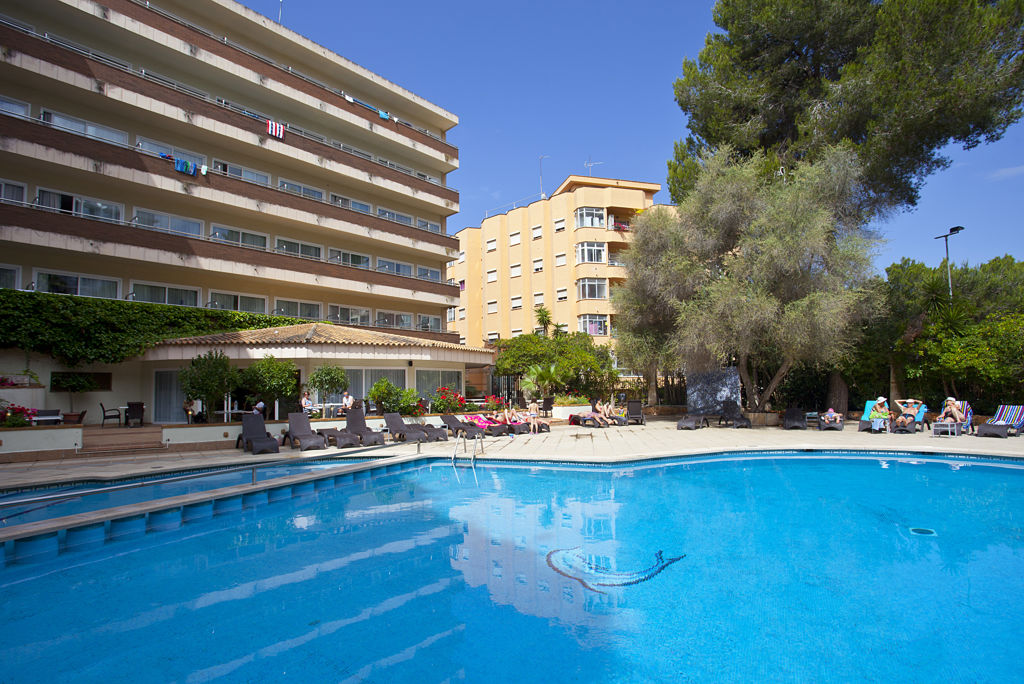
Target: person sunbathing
(908,411)
(831,417)
(951,412)
(879,415)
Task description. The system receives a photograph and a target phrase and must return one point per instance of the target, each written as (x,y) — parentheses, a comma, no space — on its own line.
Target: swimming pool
(802,569)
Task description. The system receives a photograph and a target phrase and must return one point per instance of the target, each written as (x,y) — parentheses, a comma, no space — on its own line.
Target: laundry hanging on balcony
(275,129)
(186,167)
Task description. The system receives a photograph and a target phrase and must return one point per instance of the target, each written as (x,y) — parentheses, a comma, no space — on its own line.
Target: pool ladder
(465,447)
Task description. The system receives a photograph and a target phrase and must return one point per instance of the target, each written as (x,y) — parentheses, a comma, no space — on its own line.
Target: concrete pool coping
(659,439)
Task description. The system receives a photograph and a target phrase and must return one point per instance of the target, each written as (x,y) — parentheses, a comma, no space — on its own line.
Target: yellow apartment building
(563,253)
(196,153)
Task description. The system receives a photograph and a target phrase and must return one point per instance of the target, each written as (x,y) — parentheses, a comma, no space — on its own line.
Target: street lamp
(949,273)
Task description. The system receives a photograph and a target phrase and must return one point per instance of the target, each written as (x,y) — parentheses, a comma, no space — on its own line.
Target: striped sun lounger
(1007,418)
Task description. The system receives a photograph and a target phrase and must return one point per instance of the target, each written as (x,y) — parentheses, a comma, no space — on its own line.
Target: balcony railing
(155,77)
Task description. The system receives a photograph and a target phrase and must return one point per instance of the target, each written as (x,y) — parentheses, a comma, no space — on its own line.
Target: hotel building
(563,253)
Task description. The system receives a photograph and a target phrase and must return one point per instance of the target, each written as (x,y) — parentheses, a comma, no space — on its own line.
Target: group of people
(510,416)
(347,402)
(604,414)
(906,411)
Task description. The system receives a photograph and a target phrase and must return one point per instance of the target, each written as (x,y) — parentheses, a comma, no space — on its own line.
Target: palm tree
(560,329)
(543,316)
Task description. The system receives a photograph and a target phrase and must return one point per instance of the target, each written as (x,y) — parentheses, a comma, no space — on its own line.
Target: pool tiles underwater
(791,570)
(158,489)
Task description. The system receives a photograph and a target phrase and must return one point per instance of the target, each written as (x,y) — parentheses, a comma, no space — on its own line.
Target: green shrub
(391,399)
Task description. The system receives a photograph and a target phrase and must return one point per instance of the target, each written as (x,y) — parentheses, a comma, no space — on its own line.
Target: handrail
(50,498)
(165,81)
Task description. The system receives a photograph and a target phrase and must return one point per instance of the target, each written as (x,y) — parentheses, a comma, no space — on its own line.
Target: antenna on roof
(540,164)
(280,8)
(590,165)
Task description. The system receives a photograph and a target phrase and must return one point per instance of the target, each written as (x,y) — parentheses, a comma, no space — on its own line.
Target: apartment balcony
(220,121)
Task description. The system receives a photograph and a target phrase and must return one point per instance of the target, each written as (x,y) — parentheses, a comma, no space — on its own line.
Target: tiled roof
(316,333)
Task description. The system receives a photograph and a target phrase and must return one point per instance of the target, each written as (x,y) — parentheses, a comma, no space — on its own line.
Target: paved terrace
(658,438)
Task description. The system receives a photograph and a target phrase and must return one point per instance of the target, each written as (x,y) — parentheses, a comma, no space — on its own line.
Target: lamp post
(949,273)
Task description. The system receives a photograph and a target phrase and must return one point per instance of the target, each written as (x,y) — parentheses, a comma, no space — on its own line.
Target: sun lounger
(965,426)
(829,425)
(1006,418)
(355,422)
(694,422)
(794,419)
(299,431)
(461,427)
(341,438)
(866,423)
(731,414)
(920,420)
(488,426)
(255,437)
(402,431)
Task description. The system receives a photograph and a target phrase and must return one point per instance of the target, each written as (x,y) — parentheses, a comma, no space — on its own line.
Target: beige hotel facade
(563,253)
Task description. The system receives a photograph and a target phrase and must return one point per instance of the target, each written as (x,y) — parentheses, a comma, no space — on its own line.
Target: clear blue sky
(593,80)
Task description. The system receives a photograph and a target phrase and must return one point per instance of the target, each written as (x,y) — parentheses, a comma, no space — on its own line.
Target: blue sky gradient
(581,81)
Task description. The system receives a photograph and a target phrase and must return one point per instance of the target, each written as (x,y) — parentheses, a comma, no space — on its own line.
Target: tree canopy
(578,362)
(899,79)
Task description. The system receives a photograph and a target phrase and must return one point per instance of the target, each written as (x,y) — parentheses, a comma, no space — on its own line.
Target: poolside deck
(658,438)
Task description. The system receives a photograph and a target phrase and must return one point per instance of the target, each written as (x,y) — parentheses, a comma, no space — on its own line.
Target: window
(492,245)
(492,306)
(514,239)
(300,189)
(74,284)
(462,284)
(593,324)
(395,216)
(516,302)
(14,106)
(615,258)
(234,302)
(559,225)
(349,203)
(165,294)
(538,330)
(59,381)
(396,267)
(561,294)
(559,260)
(493,337)
(590,217)
(9,277)
(462,314)
(429,381)
(515,270)
(168,222)
(537,232)
(450,315)
(492,277)
(538,265)
(590,253)
(340,256)
(462,257)
(427,273)
(394,319)
(242,172)
(348,315)
(428,323)
(157,147)
(517,332)
(296,248)
(13,192)
(83,206)
(285,307)
(84,127)
(462,339)
(238,237)
(538,298)
(432,226)
(592,288)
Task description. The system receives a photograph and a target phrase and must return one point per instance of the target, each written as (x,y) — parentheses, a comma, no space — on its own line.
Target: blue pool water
(797,570)
(158,489)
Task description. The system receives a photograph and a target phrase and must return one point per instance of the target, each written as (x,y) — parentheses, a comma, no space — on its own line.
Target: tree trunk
(773,385)
(747,385)
(838,393)
(896,380)
(652,384)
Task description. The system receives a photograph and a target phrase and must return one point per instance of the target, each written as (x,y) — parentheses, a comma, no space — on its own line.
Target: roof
(315,333)
(573,182)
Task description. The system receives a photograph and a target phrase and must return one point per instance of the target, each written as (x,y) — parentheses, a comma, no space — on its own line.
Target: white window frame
(537,232)
(199,293)
(76,274)
(517,332)
(427,273)
(47,116)
(538,299)
(336,256)
(212,291)
(350,202)
(369,318)
(561,260)
(76,204)
(583,321)
(10,100)
(562,294)
(410,274)
(515,270)
(493,336)
(514,238)
(538,265)
(492,306)
(589,217)
(492,245)
(241,233)
(200,230)
(428,225)
(585,251)
(462,257)
(559,225)
(395,216)
(299,303)
(430,318)
(17,275)
(4,184)
(278,249)
(230,167)
(589,283)
(450,315)
(462,314)
(176,152)
(516,302)
(307,191)
(492,276)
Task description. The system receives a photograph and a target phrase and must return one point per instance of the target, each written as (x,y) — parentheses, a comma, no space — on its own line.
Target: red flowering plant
(447,400)
(493,403)
(19,416)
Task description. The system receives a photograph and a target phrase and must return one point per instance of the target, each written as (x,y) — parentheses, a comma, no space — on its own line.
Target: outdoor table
(947,429)
(56,420)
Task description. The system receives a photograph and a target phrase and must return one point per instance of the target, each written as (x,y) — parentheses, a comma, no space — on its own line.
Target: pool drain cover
(923,531)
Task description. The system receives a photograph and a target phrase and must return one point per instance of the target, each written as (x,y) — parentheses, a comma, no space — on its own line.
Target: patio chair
(731,414)
(589,418)
(75,418)
(400,429)
(110,414)
(794,419)
(136,411)
(255,437)
(1006,418)
(299,431)
(635,412)
(341,438)
(48,417)
(461,427)
(546,405)
(355,422)
(694,422)
(956,428)
(866,423)
(489,427)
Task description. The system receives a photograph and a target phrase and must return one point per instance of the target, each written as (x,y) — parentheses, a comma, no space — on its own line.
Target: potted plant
(388,398)
(73,383)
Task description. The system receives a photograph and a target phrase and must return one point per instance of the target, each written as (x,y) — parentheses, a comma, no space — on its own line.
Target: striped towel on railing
(275,129)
